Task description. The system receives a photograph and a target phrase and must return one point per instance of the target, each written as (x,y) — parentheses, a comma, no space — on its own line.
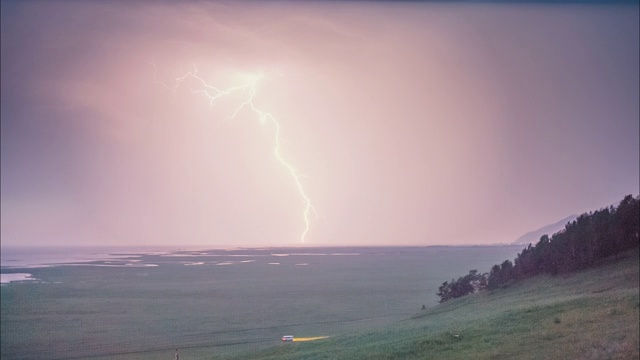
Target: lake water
(139,303)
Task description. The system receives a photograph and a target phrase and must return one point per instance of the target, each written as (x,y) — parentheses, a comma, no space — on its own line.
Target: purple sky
(408,124)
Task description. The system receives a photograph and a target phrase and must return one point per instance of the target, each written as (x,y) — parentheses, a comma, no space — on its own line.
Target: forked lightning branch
(247,90)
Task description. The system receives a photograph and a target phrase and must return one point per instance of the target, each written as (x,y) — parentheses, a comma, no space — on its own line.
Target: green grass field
(143,313)
(592,314)
(363,303)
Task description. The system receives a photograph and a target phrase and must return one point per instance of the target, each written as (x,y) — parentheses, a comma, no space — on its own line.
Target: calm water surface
(79,302)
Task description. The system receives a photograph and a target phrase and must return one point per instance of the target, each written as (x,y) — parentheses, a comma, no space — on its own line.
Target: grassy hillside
(592,314)
(144,313)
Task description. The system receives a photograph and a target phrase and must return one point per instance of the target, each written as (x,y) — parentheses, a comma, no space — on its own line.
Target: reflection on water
(34,257)
(7,278)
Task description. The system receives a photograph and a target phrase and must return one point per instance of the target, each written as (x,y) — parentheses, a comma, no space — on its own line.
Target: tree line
(581,244)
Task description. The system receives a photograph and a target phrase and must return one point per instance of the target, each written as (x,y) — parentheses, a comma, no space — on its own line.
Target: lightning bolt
(249,90)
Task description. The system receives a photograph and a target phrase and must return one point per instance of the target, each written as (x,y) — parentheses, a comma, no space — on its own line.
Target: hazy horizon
(195,247)
(404,124)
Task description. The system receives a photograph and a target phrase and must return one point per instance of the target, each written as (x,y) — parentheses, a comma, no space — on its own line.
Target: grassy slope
(588,315)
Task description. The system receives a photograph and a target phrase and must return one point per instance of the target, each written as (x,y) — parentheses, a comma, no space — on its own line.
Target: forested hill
(533,236)
(582,243)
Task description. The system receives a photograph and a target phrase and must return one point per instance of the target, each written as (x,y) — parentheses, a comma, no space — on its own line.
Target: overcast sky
(408,124)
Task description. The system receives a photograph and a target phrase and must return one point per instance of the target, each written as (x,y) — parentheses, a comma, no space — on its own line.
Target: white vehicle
(287,338)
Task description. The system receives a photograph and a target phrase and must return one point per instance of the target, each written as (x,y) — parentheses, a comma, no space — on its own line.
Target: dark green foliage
(465,285)
(581,244)
(500,275)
